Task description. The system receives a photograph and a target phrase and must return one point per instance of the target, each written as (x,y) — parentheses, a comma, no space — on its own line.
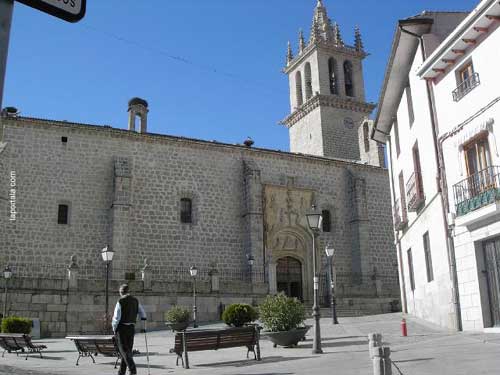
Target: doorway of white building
(492,262)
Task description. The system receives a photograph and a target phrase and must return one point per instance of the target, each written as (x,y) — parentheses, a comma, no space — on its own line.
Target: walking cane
(147,350)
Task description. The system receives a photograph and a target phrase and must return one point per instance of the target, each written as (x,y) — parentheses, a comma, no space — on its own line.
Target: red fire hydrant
(404,329)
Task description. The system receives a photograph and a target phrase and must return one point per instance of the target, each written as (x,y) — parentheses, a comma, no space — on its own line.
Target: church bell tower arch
(327,94)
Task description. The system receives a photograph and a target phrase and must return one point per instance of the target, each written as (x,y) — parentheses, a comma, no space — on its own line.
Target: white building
(404,122)
(464,71)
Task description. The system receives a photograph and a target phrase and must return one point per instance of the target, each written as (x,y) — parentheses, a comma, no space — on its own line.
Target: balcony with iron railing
(465,87)
(400,216)
(415,192)
(477,190)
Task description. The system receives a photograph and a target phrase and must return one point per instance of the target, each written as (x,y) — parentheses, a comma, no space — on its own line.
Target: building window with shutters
(186,210)
(467,80)
(63,214)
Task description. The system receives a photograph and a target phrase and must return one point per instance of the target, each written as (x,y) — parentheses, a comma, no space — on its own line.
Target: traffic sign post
(68,10)
(6,9)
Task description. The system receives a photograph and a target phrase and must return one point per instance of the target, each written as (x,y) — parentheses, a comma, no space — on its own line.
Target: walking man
(126,310)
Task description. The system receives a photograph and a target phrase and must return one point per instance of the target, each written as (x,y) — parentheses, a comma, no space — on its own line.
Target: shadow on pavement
(154,366)
(334,344)
(243,363)
(412,360)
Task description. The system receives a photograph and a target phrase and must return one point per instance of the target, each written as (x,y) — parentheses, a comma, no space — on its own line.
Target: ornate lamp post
(194,271)
(330,252)
(7,274)
(314,219)
(107,257)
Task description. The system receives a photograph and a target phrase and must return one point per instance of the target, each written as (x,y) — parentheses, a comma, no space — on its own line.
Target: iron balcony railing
(415,191)
(477,190)
(399,216)
(465,87)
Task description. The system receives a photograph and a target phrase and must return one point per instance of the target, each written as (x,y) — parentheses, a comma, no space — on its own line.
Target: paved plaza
(426,350)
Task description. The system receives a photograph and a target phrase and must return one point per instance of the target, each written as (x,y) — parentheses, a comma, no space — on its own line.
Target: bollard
(387,360)
(374,341)
(404,328)
(378,361)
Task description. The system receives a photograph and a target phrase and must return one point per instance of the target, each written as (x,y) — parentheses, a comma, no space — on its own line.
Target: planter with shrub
(15,324)
(177,318)
(239,314)
(283,319)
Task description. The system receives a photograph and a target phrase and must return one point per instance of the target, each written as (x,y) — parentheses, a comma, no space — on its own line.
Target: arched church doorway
(289,277)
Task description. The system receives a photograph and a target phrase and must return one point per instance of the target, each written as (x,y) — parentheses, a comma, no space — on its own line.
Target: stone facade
(125,188)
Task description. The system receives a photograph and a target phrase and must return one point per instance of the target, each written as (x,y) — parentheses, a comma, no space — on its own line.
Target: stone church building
(166,203)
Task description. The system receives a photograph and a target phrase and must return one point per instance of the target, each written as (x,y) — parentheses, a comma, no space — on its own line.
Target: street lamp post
(107,257)
(330,252)
(314,221)
(7,274)
(194,271)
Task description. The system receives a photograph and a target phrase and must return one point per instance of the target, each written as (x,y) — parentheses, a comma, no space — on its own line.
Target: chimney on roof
(10,112)
(248,142)
(138,108)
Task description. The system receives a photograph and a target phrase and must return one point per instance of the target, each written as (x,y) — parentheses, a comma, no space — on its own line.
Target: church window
(186,210)
(298,88)
(366,131)
(63,214)
(308,81)
(349,84)
(326,223)
(332,73)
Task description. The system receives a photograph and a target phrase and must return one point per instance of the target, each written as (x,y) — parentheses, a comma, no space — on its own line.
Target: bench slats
(199,340)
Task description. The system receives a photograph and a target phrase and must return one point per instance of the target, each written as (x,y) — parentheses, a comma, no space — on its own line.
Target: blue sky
(210,69)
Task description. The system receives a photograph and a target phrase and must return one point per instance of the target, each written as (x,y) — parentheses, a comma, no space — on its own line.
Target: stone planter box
(178,326)
(286,338)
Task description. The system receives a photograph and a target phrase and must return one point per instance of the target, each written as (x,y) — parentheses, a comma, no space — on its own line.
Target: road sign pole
(6,10)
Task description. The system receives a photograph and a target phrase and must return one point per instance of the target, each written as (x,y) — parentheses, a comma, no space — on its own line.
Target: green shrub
(177,314)
(238,314)
(15,324)
(281,313)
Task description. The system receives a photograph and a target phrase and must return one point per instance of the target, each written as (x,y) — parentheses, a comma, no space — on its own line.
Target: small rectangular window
(428,257)
(410,270)
(64,139)
(186,210)
(396,136)
(63,214)
(409,102)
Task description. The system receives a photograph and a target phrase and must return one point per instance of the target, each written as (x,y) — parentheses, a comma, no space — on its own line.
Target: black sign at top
(68,10)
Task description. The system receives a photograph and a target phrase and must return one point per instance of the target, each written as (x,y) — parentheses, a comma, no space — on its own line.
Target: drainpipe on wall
(443,190)
(396,237)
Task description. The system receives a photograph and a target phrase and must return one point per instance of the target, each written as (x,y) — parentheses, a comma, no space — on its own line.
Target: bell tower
(327,93)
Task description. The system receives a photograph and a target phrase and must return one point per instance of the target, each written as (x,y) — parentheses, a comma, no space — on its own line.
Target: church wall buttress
(120,214)
(253,219)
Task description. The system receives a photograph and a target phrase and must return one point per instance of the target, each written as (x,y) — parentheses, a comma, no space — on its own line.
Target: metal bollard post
(378,361)
(374,341)
(387,360)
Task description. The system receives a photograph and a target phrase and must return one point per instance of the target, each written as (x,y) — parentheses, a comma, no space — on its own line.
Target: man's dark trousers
(125,340)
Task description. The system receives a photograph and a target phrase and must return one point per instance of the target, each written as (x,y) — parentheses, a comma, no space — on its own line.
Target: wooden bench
(214,339)
(90,346)
(19,342)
